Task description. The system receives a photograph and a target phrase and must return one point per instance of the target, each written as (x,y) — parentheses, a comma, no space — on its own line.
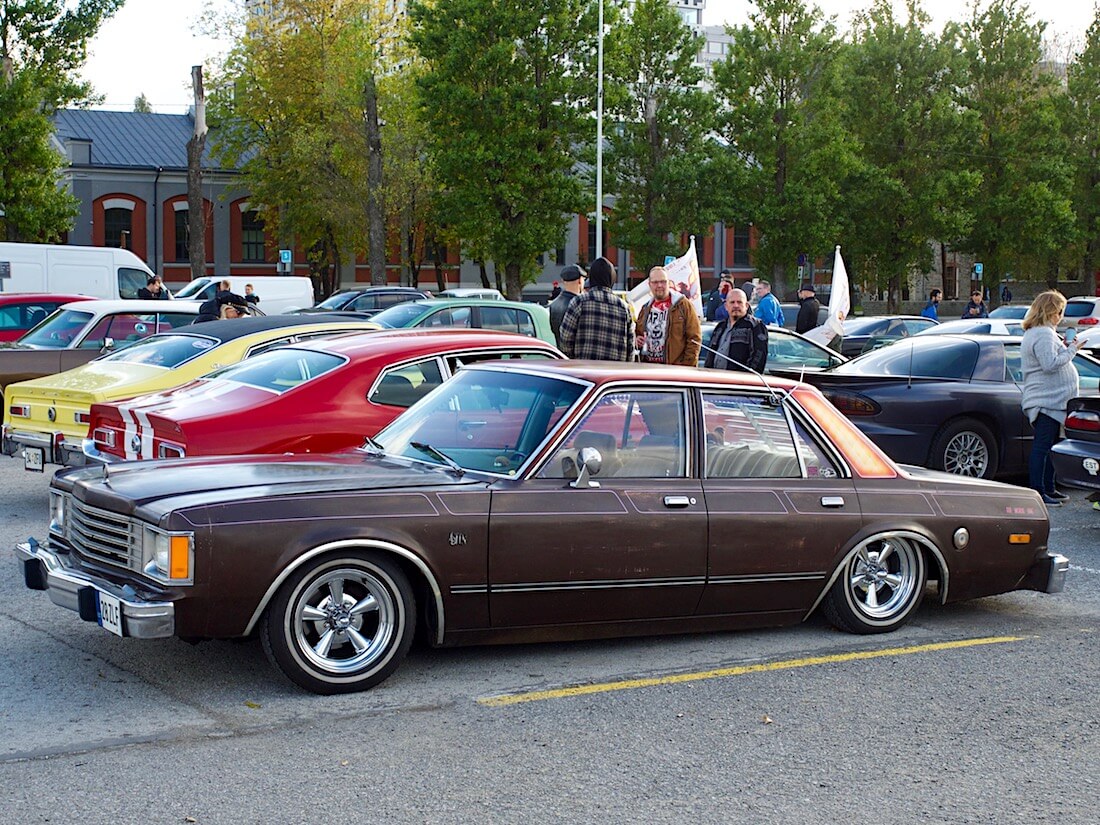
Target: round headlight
(961,538)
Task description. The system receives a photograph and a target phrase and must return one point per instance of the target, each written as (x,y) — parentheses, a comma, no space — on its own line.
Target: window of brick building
(183,232)
(118,226)
(741,246)
(252,237)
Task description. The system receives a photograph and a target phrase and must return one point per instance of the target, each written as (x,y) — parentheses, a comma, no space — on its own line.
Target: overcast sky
(150,45)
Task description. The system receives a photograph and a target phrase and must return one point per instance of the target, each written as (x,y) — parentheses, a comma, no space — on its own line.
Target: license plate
(33,459)
(110,613)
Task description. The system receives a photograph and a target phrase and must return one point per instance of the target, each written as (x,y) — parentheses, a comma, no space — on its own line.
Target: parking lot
(779,726)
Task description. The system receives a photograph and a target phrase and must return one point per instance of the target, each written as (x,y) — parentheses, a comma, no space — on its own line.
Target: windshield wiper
(372,446)
(458,469)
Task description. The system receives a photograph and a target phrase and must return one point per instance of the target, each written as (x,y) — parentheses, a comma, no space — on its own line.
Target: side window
(459,317)
(1088,372)
(526,324)
(501,318)
(747,437)
(387,300)
(130,280)
(404,386)
(11,316)
(268,345)
(638,435)
(817,461)
(363,302)
(913,326)
(173,320)
(122,329)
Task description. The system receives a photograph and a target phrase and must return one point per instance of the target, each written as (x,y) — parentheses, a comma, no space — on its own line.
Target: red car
(19,311)
(317,397)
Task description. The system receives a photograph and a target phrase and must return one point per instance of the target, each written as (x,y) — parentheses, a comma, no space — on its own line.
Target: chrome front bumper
(76,590)
(1047,574)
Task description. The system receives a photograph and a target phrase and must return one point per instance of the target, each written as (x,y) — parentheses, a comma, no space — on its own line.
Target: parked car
(367,301)
(19,311)
(1013,312)
(277,293)
(949,402)
(46,419)
(1090,340)
(871,332)
(1083,313)
(104,272)
(315,397)
(79,332)
(470,313)
(478,514)
(789,354)
(472,292)
(976,326)
(1077,457)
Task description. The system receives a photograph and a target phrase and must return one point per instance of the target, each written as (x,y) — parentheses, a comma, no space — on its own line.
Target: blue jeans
(1039,467)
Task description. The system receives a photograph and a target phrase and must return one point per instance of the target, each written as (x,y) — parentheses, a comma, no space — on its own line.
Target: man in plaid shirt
(597,326)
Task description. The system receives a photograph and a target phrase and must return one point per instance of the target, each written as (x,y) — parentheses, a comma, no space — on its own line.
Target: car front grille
(102,535)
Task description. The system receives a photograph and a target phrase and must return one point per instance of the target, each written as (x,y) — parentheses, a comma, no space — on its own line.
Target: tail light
(169,451)
(1088,322)
(82,417)
(20,410)
(1084,421)
(851,403)
(104,437)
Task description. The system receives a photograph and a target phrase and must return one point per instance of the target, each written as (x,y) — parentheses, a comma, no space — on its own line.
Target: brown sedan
(536,501)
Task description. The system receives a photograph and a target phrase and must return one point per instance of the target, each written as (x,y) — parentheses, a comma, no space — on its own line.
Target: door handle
(678,501)
(832,501)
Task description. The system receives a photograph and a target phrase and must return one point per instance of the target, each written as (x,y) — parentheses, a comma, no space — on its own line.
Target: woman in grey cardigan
(1050,381)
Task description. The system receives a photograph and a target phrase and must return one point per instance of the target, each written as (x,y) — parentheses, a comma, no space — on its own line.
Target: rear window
(163,350)
(921,358)
(280,369)
(1079,309)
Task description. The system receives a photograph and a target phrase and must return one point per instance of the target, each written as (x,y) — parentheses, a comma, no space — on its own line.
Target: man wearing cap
(667,330)
(808,310)
(572,278)
(597,326)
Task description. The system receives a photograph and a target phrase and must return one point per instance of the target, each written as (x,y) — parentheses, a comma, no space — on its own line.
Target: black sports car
(949,402)
(871,332)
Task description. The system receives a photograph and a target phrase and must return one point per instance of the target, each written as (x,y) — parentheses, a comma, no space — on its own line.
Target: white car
(471,292)
(1082,313)
(976,326)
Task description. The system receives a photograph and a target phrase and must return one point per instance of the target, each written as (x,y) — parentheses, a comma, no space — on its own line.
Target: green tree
(1023,215)
(912,183)
(42,46)
(781,117)
(660,154)
(504,98)
(142,104)
(1082,128)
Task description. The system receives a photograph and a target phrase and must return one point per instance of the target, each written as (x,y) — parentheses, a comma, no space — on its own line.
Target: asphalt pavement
(981,712)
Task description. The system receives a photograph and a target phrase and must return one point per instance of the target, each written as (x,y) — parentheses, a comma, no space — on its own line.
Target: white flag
(840,304)
(683,276)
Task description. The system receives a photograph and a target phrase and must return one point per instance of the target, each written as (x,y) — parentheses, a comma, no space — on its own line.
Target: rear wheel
(879,588)
(341,623)
(965,447)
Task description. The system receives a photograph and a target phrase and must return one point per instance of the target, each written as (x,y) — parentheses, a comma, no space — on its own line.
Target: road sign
(285,256)
(669,259)
(978,269)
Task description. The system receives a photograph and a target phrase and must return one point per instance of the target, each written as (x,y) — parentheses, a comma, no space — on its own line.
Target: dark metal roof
(131,139)
(233,328)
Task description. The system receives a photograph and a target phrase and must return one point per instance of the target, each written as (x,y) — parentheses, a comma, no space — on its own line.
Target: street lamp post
(599,137)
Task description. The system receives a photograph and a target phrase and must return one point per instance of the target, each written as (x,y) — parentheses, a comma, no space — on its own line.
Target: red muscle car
(309,398)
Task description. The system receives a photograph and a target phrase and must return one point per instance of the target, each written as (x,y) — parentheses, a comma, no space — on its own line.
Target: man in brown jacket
(667,330)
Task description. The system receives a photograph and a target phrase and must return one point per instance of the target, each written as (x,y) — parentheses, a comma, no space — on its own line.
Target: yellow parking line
(740,670)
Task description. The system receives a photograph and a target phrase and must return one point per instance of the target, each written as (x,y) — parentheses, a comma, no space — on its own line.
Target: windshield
(1009,312)
(400,316)
(279,369)
(336,301)
(485,420)
(192,289)
(162,350)
(941,356)
(57,331)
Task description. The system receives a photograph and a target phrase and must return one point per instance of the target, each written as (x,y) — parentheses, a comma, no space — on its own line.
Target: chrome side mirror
(108,344)
(590,461)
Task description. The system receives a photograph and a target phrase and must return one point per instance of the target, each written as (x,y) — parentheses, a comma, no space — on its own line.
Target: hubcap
(343,620)
(882,577)
(966,455)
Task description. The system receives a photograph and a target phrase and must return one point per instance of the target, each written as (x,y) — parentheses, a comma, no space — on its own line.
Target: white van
(96,271)
(277,293)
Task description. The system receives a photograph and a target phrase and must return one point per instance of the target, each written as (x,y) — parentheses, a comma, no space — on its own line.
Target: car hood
(97,380)
(160,487)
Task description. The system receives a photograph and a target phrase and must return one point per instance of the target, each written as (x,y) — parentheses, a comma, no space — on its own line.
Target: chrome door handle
(832,501)
(678,501)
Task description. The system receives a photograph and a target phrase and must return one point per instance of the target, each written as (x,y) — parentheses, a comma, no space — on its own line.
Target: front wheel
(341,623)
(879,588)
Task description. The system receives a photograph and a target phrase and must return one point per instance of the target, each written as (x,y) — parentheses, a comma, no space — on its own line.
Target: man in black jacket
(809,310)
(740,342)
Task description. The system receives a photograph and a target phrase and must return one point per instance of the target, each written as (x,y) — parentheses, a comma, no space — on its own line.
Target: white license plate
(109,610)
(33,459)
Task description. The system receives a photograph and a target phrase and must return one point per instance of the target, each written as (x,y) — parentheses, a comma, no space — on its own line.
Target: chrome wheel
(966,454)
(341,623)
(879,585)
(343,620)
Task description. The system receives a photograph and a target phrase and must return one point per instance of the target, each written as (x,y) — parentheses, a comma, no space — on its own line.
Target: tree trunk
(375,218)
(483,272)
(512,282)
(440,283)
(500,282)
(196,215)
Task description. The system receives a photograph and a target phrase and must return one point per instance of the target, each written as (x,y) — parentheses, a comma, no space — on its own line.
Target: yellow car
(46,419)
